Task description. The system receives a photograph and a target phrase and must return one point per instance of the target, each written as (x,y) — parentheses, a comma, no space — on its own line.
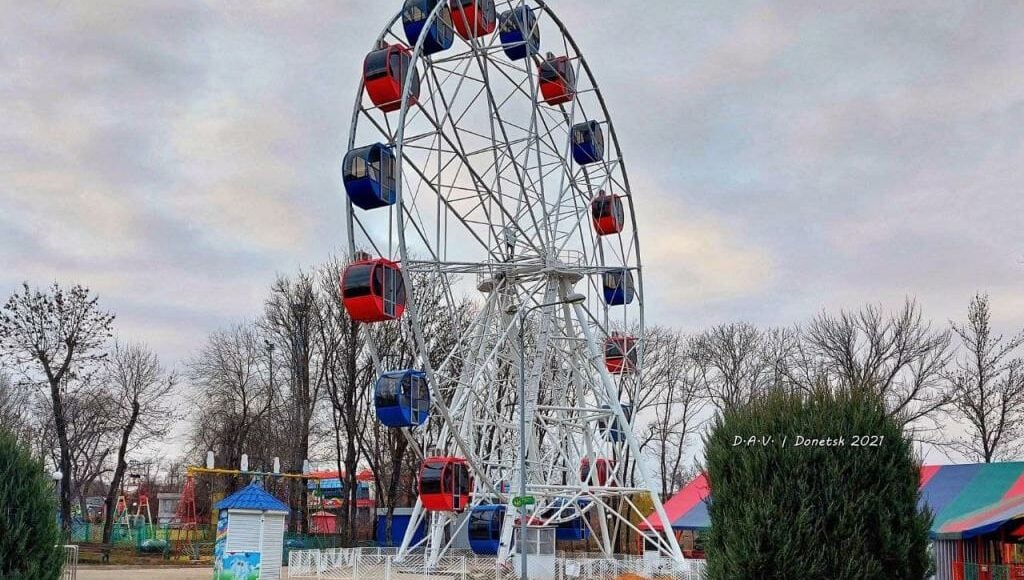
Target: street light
(574,298)
(56,476)
(270,358)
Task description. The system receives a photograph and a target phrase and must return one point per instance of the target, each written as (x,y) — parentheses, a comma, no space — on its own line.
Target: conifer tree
(29,535)
(843,512)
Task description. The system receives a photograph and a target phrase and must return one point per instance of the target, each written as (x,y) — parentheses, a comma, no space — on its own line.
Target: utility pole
(300,312)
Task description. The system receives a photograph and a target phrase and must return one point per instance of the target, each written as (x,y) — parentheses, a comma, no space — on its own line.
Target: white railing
(385,564)
(70,569)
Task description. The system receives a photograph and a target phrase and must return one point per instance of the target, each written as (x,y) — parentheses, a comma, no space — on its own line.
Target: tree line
(81,398)
(295,383)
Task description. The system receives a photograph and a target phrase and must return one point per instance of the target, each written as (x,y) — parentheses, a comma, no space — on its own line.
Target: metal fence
(972,571)
(70,569)
(385,564)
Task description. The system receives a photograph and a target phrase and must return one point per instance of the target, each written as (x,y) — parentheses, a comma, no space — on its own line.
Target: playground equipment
(133,515)
(184,527)
(478,164)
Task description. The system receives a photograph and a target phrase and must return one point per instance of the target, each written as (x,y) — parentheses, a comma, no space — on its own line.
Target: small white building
(250,535)
(167,507)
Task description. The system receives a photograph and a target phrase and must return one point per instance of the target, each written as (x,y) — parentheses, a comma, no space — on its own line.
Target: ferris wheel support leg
(531,386)
(438,525)
(410,530)
(505,543)
(606,539)
(609,385)
(588,443)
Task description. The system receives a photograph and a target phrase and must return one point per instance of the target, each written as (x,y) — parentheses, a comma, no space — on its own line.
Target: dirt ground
(136,573)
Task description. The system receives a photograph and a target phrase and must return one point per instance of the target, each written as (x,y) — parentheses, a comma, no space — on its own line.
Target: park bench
(102,549)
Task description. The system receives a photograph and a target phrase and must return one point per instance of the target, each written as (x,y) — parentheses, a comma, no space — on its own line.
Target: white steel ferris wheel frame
(571,394)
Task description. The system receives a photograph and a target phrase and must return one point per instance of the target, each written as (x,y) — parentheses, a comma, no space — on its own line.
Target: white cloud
(691,256)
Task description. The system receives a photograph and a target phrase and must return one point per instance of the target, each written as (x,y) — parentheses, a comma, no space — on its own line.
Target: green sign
(521,500)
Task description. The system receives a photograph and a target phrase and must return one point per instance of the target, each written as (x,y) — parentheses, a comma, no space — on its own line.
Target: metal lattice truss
(491,204)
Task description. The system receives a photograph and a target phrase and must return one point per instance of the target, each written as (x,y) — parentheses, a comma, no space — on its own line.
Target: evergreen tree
(29,535)
(842,512)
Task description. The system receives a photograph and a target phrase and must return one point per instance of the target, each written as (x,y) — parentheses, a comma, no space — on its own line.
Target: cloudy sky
(175,154)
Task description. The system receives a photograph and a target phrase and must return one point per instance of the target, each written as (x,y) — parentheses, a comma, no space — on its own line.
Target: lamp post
(56,476)
(270,359)
(574,298)
(300,311)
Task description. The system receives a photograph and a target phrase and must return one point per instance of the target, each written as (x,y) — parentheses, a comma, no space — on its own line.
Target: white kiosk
(250,535)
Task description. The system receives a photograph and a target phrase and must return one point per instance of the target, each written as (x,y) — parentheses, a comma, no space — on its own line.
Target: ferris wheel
(482,163)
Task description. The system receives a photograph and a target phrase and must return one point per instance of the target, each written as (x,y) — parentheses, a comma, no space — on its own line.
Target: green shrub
(29,534)
(838,513)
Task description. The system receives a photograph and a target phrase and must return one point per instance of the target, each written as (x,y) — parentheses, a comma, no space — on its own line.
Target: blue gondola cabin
(402,399)
(485,523)
(372,290)
(608,214)
(600,474)
(569,520)
(519,33)
(473,18)
(444,484)
(369,176)
(587,142)
(611,427)
(440,33)
(557,80)
(618,287)
(620,354)
(384,72)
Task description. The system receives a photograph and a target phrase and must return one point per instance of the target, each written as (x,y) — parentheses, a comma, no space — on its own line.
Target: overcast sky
(786,156)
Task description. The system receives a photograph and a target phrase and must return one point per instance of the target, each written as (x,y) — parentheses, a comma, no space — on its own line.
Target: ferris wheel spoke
(459,146)
(475,177)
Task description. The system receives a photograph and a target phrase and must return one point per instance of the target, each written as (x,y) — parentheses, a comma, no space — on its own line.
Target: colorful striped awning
(967,500)
(974,499)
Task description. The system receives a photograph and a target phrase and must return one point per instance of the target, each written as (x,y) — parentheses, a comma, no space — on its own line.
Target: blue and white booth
(250,535)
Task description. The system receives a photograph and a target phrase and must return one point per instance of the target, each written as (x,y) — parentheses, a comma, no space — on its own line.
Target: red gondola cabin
(384,72)
(557,80)
(608,214)
(373,290)
(473,18)
(445,484)
(599,475)
(620,353)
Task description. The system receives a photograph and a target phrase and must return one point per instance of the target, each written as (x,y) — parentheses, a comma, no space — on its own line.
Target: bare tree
(50,335)
(732,363)
(673,384)
(987,388)
(290,316)
(230,375)
(347,378)
(15,401)
(87,409)
(142,409)
(897,354)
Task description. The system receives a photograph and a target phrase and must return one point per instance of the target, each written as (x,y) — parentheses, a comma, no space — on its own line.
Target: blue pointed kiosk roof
(252,497)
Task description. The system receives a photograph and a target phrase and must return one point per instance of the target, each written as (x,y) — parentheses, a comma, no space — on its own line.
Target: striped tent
(973,499)
(967,500)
